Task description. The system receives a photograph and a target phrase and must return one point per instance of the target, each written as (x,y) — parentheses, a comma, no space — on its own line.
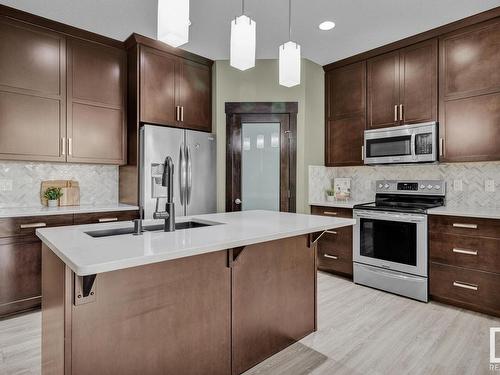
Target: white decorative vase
(52,202)
(330,198)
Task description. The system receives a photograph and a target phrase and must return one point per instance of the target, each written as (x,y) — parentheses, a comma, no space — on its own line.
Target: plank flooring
(360,331)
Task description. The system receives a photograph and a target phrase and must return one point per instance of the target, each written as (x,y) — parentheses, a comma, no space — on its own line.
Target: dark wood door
(418,82)
(158,96)
(32,92)
(96,103)
(273,299)
(383,90)
(195,88)
(469,114)
(346,115)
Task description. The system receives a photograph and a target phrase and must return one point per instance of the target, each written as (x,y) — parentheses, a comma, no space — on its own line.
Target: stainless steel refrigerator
(194,157)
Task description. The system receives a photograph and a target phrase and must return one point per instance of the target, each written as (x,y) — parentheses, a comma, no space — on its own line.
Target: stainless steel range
(390,237)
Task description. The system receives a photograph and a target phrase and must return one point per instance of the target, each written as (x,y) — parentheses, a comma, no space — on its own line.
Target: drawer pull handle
(468,226)
(465,285)
(331,232)
(107,219)
(33,225)
(331,256)
(331,213)
(464,251)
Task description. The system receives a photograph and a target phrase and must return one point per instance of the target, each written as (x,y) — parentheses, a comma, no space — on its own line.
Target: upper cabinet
(32,92)
(175,87)
(469,114)
(402,86)
(96,127)
(61,99)
(345,114)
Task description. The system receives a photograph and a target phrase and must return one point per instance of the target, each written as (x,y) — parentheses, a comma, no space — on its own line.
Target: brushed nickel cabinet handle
(70,146)
(468,226)
(401,112)
(182,113)
(460,284)
(331,213)
(107,219)
(441,146)
(362,152)
(33,225)
(63,145)
(395,113)
(177,113)
(330,256)
(465,251)
(331,232)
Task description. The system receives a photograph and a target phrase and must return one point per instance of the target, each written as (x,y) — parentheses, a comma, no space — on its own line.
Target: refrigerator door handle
(182,174)
(189,175)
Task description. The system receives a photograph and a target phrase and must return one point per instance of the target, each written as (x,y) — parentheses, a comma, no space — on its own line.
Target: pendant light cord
(242,6)
(289,19)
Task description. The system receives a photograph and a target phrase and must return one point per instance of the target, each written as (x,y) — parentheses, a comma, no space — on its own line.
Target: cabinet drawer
(26,226)
(105,217)
(471,252)
(335,251)
(477,290)
(468,226)
(331,211)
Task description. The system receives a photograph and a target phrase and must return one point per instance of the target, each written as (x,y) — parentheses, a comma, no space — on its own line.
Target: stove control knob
(380,186)
(422,186)
(429,187)
(386,186)
(437,187)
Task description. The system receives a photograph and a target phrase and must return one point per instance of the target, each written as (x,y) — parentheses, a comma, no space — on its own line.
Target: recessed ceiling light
(327,25)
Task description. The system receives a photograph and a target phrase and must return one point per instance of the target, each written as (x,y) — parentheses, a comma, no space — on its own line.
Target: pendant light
(243,31)
(173,22)
(289,57)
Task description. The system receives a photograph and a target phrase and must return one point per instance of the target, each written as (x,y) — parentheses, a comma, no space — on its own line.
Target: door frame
(258,112)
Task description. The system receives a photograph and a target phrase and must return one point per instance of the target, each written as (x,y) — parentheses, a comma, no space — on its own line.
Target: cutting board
(69,188)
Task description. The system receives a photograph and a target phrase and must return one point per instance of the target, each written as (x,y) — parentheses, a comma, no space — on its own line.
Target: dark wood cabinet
(345,115)
(335,246)
(105,217)
(175,87)
(402,86)
(469,115)
(32,92)
(96,116)
(465,262)
(273,299)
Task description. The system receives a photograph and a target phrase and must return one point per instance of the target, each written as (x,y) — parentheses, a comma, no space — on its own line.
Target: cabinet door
(419,83)
(273,299)
(32,92)
(346,113)
(96,103)
(469,111)
(158,74)
(383,90)
(195,87)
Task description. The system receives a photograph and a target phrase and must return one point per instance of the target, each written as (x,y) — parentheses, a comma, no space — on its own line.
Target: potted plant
(330,195)
(52,194)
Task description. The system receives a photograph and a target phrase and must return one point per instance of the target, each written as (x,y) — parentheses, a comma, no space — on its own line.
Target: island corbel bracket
(85,289)
(233,255)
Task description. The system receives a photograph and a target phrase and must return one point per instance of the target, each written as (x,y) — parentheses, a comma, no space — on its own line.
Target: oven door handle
(388,217)
(413,146)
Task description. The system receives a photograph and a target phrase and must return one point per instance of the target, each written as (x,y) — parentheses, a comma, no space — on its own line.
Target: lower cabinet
(335,246)
(105,217)
(465,262)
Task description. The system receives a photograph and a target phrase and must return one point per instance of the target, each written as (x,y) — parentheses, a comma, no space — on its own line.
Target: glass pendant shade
(289,64)
(242,43)
(173,22)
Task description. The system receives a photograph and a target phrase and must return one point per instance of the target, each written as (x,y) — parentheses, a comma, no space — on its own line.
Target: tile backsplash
(98,183)
(473,176)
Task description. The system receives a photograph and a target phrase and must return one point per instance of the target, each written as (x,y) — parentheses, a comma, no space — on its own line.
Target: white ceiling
(361,24)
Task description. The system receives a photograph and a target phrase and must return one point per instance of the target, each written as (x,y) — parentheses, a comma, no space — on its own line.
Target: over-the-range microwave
(402,144)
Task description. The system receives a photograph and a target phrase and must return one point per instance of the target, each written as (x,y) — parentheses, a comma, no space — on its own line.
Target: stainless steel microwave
(402,144)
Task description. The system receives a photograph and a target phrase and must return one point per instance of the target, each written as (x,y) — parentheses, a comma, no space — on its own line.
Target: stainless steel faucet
(167,180)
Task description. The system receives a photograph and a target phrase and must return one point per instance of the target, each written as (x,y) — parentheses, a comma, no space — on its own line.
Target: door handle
(362,152)
(331,256)
(460,284)
(33,225)
(441,146)
(70,147)
(237,201)
(182,173)
(395,113)
(465,251)
(189,177)
(401,112)
(107,219)
(182,113)
(63,145)
(177,110)
(467,226)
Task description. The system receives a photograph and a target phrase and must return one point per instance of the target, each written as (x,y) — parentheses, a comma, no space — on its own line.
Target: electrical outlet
(458,185)
(489,186)
(5,185)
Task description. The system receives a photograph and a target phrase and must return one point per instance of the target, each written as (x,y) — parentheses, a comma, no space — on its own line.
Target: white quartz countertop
(481,212)
(44,211)
(87,255)
(338,204)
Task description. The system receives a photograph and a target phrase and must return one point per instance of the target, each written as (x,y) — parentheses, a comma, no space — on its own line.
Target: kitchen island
(217,297)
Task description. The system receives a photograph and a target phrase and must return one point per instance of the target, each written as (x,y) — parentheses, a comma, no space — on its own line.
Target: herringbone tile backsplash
(473,176)
(98,183)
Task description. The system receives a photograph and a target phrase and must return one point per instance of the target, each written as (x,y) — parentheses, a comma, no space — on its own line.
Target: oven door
(394,241)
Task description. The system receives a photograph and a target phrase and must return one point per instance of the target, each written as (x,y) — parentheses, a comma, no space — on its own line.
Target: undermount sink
(147,228)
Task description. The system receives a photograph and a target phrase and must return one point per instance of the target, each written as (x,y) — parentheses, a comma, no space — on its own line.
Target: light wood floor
(360,331)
